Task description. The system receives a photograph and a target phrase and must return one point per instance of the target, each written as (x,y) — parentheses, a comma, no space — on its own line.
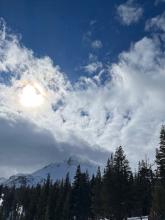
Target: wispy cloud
(93,67)
(129,12)
(92,22)
(157,23)
(96,44)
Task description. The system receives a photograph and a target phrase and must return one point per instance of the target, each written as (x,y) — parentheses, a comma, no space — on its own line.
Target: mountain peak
(57,171)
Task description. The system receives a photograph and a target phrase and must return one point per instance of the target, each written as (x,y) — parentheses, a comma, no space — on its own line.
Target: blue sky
(80,78)
(65,30)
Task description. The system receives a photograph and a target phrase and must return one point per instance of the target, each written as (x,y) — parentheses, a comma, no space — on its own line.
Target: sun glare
(31,96)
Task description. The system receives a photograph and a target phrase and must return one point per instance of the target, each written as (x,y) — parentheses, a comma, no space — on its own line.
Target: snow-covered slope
(57,171)
(22,180)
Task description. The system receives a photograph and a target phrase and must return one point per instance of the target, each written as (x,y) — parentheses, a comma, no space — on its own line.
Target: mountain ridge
(56,171)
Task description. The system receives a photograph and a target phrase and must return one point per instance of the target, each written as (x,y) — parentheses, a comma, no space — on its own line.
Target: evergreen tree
(66,214)
(122,187)
(43,199)
(116,186)
(80,202)
(60,198)
(160,156)
(107,188)
(143,189)
(97,202)
(158,207)
(53,200)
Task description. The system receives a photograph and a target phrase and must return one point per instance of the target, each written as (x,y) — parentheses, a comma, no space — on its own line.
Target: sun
(31,96)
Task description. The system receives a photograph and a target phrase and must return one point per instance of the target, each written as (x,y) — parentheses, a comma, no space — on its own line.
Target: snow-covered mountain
(22,180)
(57,171)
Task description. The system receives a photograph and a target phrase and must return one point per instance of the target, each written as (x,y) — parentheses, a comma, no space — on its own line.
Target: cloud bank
(88,118)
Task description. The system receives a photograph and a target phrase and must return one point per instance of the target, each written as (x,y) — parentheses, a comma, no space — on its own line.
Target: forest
(115,193)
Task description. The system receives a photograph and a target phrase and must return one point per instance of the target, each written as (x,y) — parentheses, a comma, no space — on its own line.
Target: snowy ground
(133,218)
(139,218)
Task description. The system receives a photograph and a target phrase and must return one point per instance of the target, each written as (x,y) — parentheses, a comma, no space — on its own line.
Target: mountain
(57,171)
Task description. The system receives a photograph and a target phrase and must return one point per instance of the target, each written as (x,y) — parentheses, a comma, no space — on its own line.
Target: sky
(97,69)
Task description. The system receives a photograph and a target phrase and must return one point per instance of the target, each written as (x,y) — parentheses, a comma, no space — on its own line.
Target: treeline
(116,193)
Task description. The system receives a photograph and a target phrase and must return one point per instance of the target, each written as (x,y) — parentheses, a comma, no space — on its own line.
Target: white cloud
(93,67)
(97,44)
(129,12)
(128,109)
(156,23)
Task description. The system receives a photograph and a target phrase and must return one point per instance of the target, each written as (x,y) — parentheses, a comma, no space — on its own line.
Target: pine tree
(97,209)
(80,201)
(66,199)
(43,199)
(53,199)
(116,186)
(160,156)
(122,176)
(143,189)
(59,203)
(107,188)
(158,207)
